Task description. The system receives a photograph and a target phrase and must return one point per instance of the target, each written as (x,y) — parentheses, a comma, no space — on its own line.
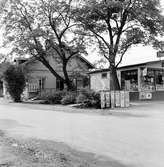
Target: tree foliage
(118,25)
(42,28)
(15,82)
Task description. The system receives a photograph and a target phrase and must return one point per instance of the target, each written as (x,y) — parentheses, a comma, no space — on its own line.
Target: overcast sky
(133,56)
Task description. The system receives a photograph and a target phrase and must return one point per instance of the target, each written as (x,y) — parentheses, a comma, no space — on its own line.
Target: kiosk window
(104,75)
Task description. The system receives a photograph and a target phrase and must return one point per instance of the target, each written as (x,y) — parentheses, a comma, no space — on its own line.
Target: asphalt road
(134,136)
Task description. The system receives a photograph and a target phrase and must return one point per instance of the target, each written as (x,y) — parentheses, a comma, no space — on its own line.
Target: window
(59,84)
(104,75)
(159,77)
(162,63)
(129,80)
(41,83)
(147,79)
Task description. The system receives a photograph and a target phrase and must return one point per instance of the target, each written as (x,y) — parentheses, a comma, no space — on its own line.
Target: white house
(40,79)
(100,79)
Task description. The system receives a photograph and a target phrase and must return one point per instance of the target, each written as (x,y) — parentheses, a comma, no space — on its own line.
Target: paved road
(134,137)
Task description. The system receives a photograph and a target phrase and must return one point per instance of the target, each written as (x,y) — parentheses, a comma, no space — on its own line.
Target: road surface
(133,137)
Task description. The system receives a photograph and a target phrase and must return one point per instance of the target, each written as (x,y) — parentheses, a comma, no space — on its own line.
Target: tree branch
(128,46)
(100,38)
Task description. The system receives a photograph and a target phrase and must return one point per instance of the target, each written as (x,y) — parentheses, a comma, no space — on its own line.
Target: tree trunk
(49,67)
(68,82)
(114,82)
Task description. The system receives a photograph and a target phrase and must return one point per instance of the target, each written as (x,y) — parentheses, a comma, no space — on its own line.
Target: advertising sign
(145,95)
(160,54)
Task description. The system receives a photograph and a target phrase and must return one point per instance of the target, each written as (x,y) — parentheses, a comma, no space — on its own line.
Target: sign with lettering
(160,54)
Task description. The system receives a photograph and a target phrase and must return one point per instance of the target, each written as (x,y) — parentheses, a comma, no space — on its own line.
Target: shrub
(89,98)
(80,98)
(54,98)
(15,82)
(68,99)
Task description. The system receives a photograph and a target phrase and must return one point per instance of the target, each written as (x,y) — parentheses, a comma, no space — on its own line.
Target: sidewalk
(134,107)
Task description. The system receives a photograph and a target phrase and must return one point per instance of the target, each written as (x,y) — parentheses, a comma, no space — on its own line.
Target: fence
(112,99)
(51,91)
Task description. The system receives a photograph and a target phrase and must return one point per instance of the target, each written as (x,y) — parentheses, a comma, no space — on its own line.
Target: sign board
(149,95)
(160,54)
(144,72)
(145,95)
(142,95)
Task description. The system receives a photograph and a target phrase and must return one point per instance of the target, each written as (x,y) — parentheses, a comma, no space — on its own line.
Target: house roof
(32,59)
(124,67)
(87,62)
(140,64)
(99,70)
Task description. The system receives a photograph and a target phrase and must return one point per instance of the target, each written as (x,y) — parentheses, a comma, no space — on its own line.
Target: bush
(88,98)
(15,82)
(54,98)
(80,98)
(68,99)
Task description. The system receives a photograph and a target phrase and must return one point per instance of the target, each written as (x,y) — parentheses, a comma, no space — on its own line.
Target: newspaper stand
(103,100)
(117,99)
(112,99)
(108,99)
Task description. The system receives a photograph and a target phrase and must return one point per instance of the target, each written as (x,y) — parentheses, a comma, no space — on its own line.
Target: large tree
(42,28)
(117,25)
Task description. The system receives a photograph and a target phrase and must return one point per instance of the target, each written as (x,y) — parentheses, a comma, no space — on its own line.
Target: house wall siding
(97,83)
(37,70)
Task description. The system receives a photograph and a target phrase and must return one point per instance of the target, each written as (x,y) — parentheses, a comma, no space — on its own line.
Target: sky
(134,55)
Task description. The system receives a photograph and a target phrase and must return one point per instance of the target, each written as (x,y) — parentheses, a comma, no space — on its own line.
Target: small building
(100,79)
(143,81)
